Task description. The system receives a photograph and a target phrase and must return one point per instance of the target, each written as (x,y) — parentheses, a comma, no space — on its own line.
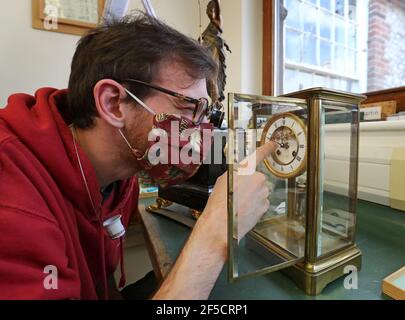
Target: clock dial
(289,132)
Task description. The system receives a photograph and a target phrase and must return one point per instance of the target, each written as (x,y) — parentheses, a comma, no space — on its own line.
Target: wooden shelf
(396,94)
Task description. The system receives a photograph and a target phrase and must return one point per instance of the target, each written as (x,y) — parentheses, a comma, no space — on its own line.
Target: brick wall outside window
(386,43)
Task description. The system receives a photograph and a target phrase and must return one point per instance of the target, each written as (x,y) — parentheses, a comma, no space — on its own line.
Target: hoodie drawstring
(103,263)
(104,267)
(123,278)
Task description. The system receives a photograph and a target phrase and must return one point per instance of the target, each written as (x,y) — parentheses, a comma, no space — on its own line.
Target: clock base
(313,278)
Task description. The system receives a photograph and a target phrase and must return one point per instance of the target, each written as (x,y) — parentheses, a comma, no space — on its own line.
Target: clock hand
(280,144)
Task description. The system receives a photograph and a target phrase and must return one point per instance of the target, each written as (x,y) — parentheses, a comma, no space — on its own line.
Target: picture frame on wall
(67,16)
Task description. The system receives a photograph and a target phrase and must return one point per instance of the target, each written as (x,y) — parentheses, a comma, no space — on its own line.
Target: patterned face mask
(176,148)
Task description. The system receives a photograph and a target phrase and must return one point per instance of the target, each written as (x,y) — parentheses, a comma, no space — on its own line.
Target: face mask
(176,148)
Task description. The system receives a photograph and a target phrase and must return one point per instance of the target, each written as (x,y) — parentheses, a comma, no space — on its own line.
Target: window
(322,47)
(351,45)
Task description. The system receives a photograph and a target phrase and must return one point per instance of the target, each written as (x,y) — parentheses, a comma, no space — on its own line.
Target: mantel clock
(309,230)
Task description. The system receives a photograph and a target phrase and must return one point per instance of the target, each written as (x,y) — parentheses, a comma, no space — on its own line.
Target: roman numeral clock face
(290,134)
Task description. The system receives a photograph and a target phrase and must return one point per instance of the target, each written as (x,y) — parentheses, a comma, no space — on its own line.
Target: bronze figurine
(212,38)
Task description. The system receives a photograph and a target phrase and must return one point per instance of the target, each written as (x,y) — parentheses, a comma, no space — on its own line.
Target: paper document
(80,10)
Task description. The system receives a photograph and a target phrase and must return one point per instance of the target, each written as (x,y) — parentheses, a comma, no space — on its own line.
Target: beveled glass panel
(338,176)
(278,239)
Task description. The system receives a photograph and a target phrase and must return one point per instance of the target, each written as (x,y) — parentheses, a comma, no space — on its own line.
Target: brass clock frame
(313,272)
(303,164)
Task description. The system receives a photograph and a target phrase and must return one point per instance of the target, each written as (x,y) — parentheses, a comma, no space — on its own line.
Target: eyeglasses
(202,107)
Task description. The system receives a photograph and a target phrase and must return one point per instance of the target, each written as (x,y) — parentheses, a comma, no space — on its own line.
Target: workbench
(380,236)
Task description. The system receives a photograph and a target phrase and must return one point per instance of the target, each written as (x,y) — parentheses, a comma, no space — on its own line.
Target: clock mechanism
(289,132)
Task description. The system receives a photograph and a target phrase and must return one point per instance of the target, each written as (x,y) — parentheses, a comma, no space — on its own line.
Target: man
(68,161)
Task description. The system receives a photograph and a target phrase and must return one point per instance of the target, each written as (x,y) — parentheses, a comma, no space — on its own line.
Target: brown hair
(133,47)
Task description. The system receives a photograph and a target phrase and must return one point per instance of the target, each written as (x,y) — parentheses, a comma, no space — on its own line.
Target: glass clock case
(309,229)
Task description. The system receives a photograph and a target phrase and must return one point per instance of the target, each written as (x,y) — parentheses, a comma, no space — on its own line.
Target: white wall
(243,31)
(242,24)
(180,14)
(30,59)
(252,46)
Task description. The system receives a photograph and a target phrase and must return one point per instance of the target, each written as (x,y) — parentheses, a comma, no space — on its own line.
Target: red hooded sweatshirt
(47,221)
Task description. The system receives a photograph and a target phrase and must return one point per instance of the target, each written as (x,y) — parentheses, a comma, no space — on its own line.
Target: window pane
(325,55)
(293,46)
(309,54)
(326,22)
(321,81)
(305,80)
(327,4)
(291,81)
(338,83)
(293,16)
(340,59)
(353,10)
(352,36)
(340,7)
(296,80)
(340,31)
(354,86)
(351,62)
(310,18)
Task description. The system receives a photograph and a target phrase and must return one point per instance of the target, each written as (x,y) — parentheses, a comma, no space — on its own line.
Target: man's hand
(202,258)
(250,191)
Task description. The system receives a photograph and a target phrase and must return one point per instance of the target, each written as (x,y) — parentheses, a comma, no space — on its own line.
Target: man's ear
(108,95)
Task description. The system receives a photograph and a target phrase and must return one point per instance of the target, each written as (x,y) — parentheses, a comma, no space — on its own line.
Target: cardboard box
(387,107)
